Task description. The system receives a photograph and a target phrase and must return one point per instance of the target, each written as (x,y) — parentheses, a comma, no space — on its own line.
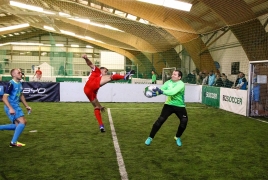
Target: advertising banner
(211,96)
(41,91)
(234,100)
(8,78)
(68,79)
(2,88)
(37,91)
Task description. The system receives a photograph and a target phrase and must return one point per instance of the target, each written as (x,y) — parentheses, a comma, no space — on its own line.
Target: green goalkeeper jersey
(174,92)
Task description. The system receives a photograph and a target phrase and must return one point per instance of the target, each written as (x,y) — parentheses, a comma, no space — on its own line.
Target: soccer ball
(148,91)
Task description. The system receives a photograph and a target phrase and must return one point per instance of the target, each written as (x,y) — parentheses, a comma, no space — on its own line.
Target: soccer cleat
(21,143)
(148,141)
(178,141)
(129,74)
(14,145)
(102,129)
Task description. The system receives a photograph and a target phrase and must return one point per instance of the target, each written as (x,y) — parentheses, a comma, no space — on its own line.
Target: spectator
(218,81)
(226,82)
(153,77)
(38,74)
(242,82)
(191,78)
(211,78)
(205,79)
(236,80)
(199,79)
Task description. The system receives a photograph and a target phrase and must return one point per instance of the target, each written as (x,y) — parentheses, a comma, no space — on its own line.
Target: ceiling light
(67,32)
(26,44)
(87,46)
(78,36)
(49,28)
(74,45)
(87,21)
(48,12)
(25,6)
(89,38)
(13,27)
(170,4)
(60,45)
(112,28)
(64,14)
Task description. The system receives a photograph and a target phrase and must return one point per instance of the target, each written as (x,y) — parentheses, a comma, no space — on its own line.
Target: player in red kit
(97,78)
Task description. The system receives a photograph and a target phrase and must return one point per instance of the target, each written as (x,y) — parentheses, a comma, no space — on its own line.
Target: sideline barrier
(37,91)
(224,98)
(228,99)
(234,100)
(117,92)
(211,96)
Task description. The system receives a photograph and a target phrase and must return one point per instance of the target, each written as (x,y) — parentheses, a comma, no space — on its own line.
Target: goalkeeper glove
(157,91)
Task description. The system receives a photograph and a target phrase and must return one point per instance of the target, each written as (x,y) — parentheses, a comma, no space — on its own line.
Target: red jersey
(38,72)
(93,83)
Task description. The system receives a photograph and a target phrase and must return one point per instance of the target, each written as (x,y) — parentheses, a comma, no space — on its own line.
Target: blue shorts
(18,113)
(256,93)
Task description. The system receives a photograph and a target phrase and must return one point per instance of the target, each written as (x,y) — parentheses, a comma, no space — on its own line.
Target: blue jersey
(243,81)
(14,90)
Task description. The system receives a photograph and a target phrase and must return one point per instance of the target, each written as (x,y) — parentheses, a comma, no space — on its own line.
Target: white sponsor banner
(115,92)
(193,93)
(234,100)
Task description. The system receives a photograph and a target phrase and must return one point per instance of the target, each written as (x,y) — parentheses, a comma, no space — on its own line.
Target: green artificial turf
(68,144)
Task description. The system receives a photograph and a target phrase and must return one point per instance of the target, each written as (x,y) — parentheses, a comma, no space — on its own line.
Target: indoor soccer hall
(224,38)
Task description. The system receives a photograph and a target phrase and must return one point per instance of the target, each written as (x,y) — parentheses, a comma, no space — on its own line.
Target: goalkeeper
(97,78)
(174,90)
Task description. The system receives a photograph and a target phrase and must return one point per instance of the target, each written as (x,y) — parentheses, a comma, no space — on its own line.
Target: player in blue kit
(11,98)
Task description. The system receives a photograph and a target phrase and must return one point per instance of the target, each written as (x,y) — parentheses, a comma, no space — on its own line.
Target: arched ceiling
(151,29)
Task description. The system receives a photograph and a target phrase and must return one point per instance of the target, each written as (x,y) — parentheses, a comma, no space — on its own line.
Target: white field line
(159,108)
(187,108)
(120,161)
(258,120)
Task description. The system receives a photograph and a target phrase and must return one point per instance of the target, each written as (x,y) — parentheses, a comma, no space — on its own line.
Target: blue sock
(18,132)
(8,127)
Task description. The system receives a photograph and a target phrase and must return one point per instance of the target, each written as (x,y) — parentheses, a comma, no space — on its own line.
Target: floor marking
(258,120)
(119,156)
(159,108)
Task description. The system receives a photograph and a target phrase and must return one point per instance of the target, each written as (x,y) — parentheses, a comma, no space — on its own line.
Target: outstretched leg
(107,78)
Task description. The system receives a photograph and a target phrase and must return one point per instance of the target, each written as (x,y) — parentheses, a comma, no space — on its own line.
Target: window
(235,67)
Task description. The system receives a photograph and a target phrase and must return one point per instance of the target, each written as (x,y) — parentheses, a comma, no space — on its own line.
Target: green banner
(8,78)
(122,81)
(63,79)
(211,96)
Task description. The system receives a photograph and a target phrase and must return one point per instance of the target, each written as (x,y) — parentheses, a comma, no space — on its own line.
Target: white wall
(226,50)
(112,60)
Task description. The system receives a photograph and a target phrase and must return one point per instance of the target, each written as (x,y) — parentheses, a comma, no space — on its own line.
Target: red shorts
(91,88)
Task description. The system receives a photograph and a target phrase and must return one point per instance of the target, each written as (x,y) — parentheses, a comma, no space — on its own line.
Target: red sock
(117,77)
(98,116)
